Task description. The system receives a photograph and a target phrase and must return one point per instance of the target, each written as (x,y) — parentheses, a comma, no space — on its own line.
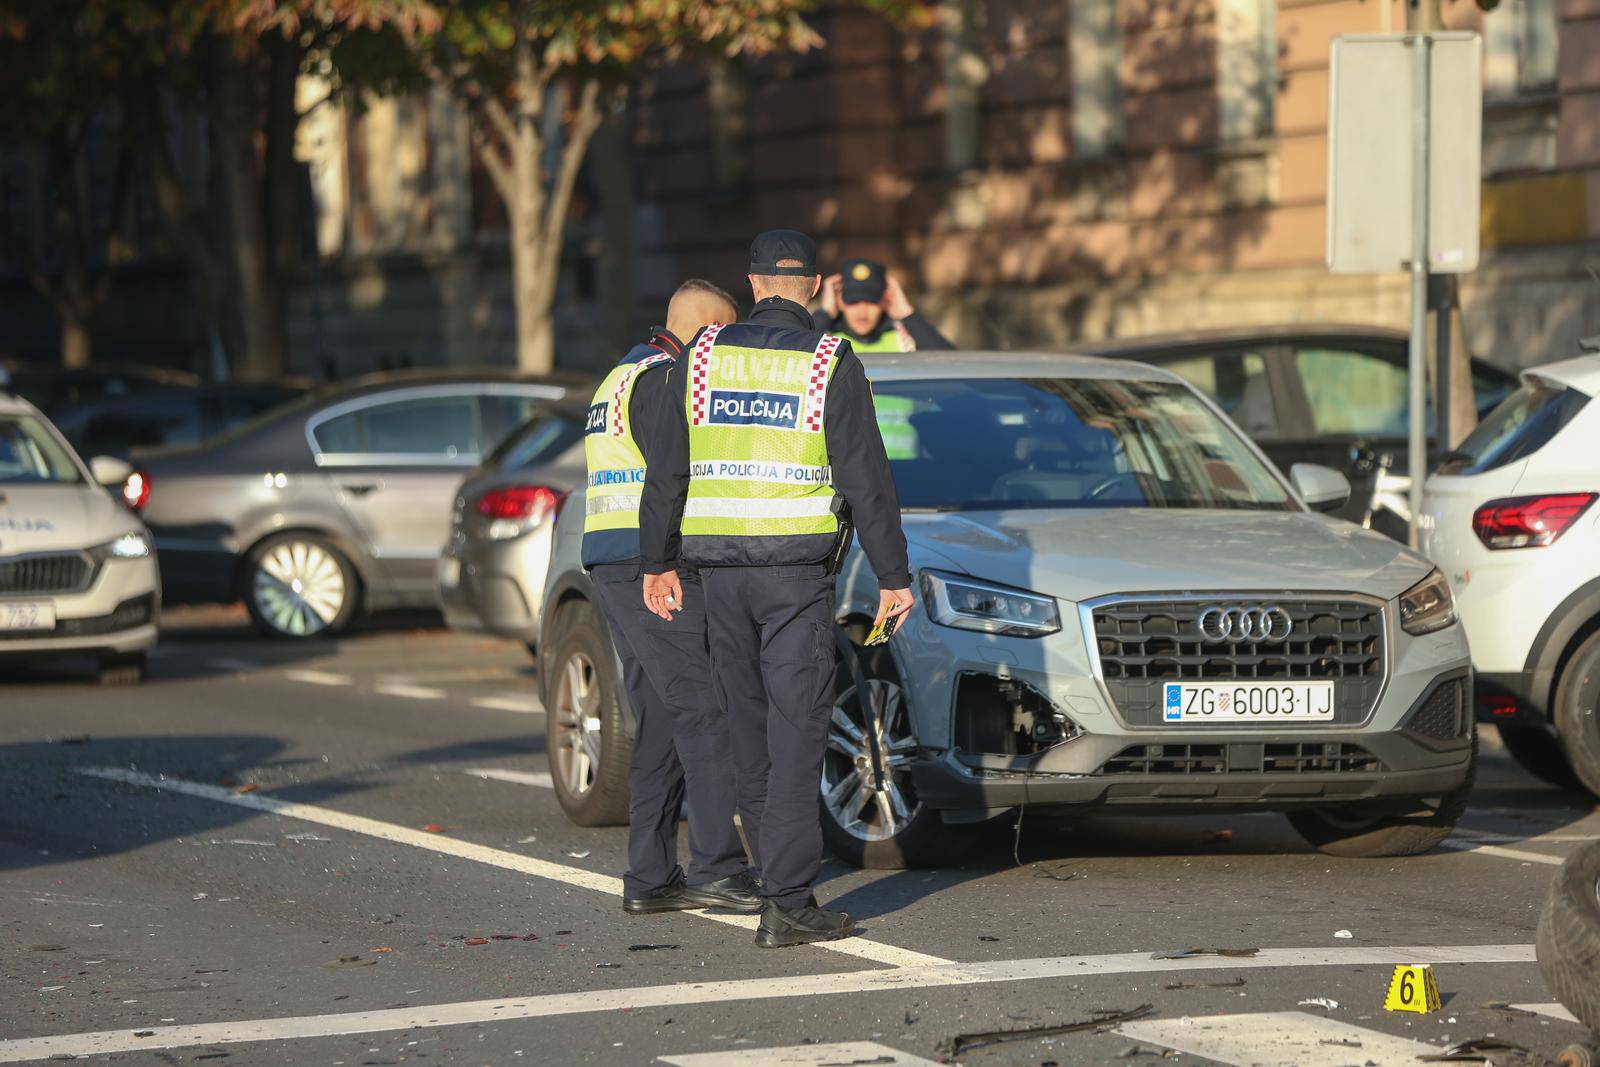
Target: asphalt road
(347,853)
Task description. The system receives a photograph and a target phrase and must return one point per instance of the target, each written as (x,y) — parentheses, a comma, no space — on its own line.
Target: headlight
(968,604)
(1427,606)
(135,544)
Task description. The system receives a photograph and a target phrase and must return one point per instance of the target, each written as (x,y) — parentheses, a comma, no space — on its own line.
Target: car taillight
(136,490)
(1528,521)
(516,509)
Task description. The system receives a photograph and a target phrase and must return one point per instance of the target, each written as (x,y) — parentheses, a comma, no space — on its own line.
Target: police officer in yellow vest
(865,304)
(768,440)
(682,739)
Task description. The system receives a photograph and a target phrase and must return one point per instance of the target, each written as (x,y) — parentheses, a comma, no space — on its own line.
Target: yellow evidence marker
(1413,988)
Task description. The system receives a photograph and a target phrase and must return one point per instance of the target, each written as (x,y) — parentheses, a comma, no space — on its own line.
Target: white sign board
(1370,157)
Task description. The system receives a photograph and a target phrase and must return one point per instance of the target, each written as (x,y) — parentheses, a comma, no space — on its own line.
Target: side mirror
(110,471)
(1322,488)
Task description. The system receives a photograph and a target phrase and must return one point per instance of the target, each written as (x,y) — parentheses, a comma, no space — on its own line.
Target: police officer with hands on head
(768,450)
(865,304)
(682,743)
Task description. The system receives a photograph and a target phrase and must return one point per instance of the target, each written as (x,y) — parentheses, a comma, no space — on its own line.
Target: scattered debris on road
(350,961)
(1478,1050)
(248,787)
(433,828)
(1232,984)
(648,948)
(1343,935)
(1186,953)
(1320,1002)
(953,1047)
(579,855)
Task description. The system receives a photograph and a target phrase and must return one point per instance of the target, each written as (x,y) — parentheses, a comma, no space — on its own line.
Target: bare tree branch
(585,120)
(494,161)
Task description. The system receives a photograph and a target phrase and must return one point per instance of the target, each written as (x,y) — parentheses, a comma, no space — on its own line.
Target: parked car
(1511,518)
(77,577)
(1306,393)
(151,419)
(53,389)
(492,570)
(334,505)
(1124,607)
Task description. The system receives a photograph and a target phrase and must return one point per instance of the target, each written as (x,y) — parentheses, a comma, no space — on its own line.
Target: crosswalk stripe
(410,692)
(858,947)
(1553,1011)
(1504,853)
(538,778)
(317,677)
(528,705)
(836,1055)
(1276,1039)
(790,988)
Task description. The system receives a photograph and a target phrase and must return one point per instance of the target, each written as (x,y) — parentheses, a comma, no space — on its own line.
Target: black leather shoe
(782,927)
(737,892)
(668,898)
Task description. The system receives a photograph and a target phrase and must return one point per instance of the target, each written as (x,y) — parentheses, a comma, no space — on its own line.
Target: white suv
(1511,518)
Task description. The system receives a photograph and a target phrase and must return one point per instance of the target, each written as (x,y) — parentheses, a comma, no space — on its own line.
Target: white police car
(77,571)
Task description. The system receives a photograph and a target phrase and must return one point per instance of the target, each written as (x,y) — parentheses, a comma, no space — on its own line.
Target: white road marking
(317,677)
(855,946)
(688,993)
(1554,1011)
(1277,1039)
(538,778)
(410,692)
(1504,853)
(845,1052)
(526,705)
(1526,839)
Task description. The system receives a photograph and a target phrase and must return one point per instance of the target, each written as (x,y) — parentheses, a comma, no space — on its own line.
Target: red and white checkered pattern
(699,368)
(617,405)
(817,383)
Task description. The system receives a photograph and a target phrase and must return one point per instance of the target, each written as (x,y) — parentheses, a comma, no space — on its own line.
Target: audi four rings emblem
(1256,622)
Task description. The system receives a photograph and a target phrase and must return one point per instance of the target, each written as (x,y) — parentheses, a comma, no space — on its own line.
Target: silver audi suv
(1123,607)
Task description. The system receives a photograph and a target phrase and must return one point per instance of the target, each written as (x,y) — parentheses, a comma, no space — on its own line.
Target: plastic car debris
(350,961)
(1320,1002)
(1231,984)
(433,828)
(955,1046)
(1478,1050)
(1186,953)
(1343,935)
(648,948)
(579,855)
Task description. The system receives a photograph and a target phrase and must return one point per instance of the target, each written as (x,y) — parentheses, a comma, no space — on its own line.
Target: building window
(1247,68)
(965,72)
(1519,49)
(1094,46)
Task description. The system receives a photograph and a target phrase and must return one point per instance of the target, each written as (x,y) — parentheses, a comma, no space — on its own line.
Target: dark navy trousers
(772,656)
(682,745)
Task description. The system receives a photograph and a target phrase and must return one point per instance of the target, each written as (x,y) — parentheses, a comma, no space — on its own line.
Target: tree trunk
(75,343)
(238,184)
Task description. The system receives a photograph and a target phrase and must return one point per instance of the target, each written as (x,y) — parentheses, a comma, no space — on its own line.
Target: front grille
(1439,715)
(1295,757)
(54,572)
(1143,644)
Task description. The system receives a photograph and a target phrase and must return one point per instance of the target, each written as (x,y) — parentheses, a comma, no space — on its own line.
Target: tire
(586,741)
(1569,935)
(126,669)
(1347,832)
(299,586)
(1538,750)
(1578,712)
(863,824)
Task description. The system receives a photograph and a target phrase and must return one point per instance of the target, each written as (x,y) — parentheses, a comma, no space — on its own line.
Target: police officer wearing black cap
(767,449)
(866,304)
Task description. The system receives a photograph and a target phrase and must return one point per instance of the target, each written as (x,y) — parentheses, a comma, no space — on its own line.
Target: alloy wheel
(866,773)
(577,722)
(299,588)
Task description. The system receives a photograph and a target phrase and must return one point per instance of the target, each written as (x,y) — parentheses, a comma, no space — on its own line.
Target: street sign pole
(1417,455)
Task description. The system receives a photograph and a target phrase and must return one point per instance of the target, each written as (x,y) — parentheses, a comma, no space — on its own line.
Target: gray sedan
(335,505)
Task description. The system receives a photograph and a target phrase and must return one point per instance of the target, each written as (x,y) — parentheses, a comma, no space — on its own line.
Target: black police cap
(863,280)
(775,245)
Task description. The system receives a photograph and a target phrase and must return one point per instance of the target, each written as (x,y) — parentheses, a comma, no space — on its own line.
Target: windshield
(29,452)
(1524,423)
(998,443)
(540,440)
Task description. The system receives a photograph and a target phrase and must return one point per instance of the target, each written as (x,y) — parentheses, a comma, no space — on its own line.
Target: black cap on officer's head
(769,248)
(863,281)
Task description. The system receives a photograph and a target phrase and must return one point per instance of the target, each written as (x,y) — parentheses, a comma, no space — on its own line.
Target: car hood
(1080,554)
(45,518)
